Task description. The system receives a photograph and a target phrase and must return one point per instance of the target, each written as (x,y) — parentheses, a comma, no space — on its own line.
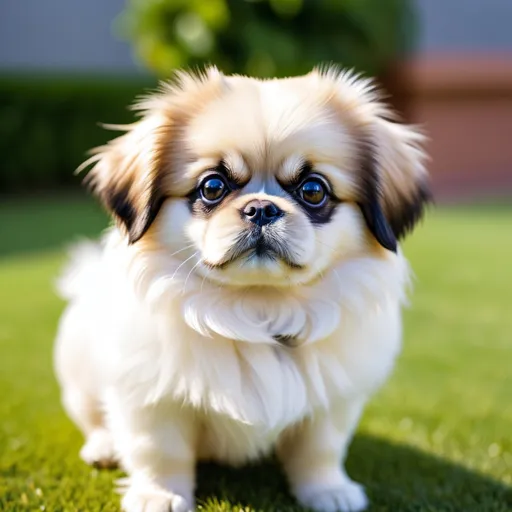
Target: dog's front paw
(136,500)
(99,449)
(346,497)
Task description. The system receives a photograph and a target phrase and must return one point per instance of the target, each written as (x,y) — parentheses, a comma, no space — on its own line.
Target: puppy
(249,297)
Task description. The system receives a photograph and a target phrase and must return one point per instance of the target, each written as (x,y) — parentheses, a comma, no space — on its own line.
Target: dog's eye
(213,189)
(313,192)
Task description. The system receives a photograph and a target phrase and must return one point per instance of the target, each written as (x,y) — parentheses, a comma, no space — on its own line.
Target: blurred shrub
(47,125)
(268,37)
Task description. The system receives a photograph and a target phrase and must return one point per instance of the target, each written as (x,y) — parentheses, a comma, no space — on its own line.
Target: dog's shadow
(397,478)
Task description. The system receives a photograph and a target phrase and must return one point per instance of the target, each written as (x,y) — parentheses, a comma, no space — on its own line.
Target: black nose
(261,212)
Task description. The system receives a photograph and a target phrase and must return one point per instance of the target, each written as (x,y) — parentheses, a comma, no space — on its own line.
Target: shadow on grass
(397,478)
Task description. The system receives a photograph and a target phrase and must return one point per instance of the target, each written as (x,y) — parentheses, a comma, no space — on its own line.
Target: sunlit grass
(437,438)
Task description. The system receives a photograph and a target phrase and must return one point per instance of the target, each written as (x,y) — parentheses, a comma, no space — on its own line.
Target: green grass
(437,438)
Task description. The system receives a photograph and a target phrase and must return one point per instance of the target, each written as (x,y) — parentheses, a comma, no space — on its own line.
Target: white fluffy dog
(249,297)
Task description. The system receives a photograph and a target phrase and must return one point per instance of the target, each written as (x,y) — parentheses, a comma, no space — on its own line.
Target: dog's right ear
(129,173)
(126,176)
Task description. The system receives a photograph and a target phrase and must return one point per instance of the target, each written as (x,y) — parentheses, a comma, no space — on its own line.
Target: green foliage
(48,125)
(268,37)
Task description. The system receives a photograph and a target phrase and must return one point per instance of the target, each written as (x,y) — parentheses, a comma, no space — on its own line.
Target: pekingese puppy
(249,297)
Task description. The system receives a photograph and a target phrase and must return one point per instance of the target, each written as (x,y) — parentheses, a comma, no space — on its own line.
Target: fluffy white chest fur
(156,337)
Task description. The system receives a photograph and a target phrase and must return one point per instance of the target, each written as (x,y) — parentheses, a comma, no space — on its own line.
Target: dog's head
(264,182)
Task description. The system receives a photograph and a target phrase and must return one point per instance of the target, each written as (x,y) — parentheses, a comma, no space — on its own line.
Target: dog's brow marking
(292,168)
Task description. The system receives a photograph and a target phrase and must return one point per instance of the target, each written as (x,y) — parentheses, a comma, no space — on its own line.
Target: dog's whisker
(181,250)
(337,277)
(181,265)
(188,275)
(204,278)
(327,245)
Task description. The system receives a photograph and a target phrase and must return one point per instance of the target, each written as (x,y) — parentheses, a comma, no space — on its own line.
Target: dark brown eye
(213,190)
(313,192)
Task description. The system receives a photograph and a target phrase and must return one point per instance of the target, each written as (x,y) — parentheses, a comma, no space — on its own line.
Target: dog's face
(264,182)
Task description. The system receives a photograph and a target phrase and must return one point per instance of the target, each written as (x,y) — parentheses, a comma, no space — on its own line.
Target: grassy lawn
(437,438)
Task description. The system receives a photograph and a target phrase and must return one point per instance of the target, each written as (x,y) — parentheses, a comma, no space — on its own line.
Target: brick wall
(464,103)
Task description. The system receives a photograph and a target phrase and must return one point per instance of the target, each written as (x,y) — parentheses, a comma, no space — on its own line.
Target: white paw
(99,449)
(154,501)
(346,497)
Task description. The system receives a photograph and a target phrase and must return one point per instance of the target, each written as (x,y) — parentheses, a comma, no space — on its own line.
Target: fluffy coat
(165,360)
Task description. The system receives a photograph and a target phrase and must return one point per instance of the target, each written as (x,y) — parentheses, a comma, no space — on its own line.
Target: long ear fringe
(400,162)
(126,172)
(392,155)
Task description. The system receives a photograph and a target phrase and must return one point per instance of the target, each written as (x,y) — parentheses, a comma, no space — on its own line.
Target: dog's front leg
(313,455)
(156,445)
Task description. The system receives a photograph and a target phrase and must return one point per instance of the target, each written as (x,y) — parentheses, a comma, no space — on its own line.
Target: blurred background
(66,65)
(438,436)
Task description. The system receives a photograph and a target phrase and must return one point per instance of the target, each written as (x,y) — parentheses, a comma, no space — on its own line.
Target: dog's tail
(81,270)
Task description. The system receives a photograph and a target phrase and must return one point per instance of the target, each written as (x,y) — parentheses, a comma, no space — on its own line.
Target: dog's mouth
(258,244)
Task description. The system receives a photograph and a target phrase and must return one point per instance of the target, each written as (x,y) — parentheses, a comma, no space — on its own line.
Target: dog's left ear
(394,185)
(395,182)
